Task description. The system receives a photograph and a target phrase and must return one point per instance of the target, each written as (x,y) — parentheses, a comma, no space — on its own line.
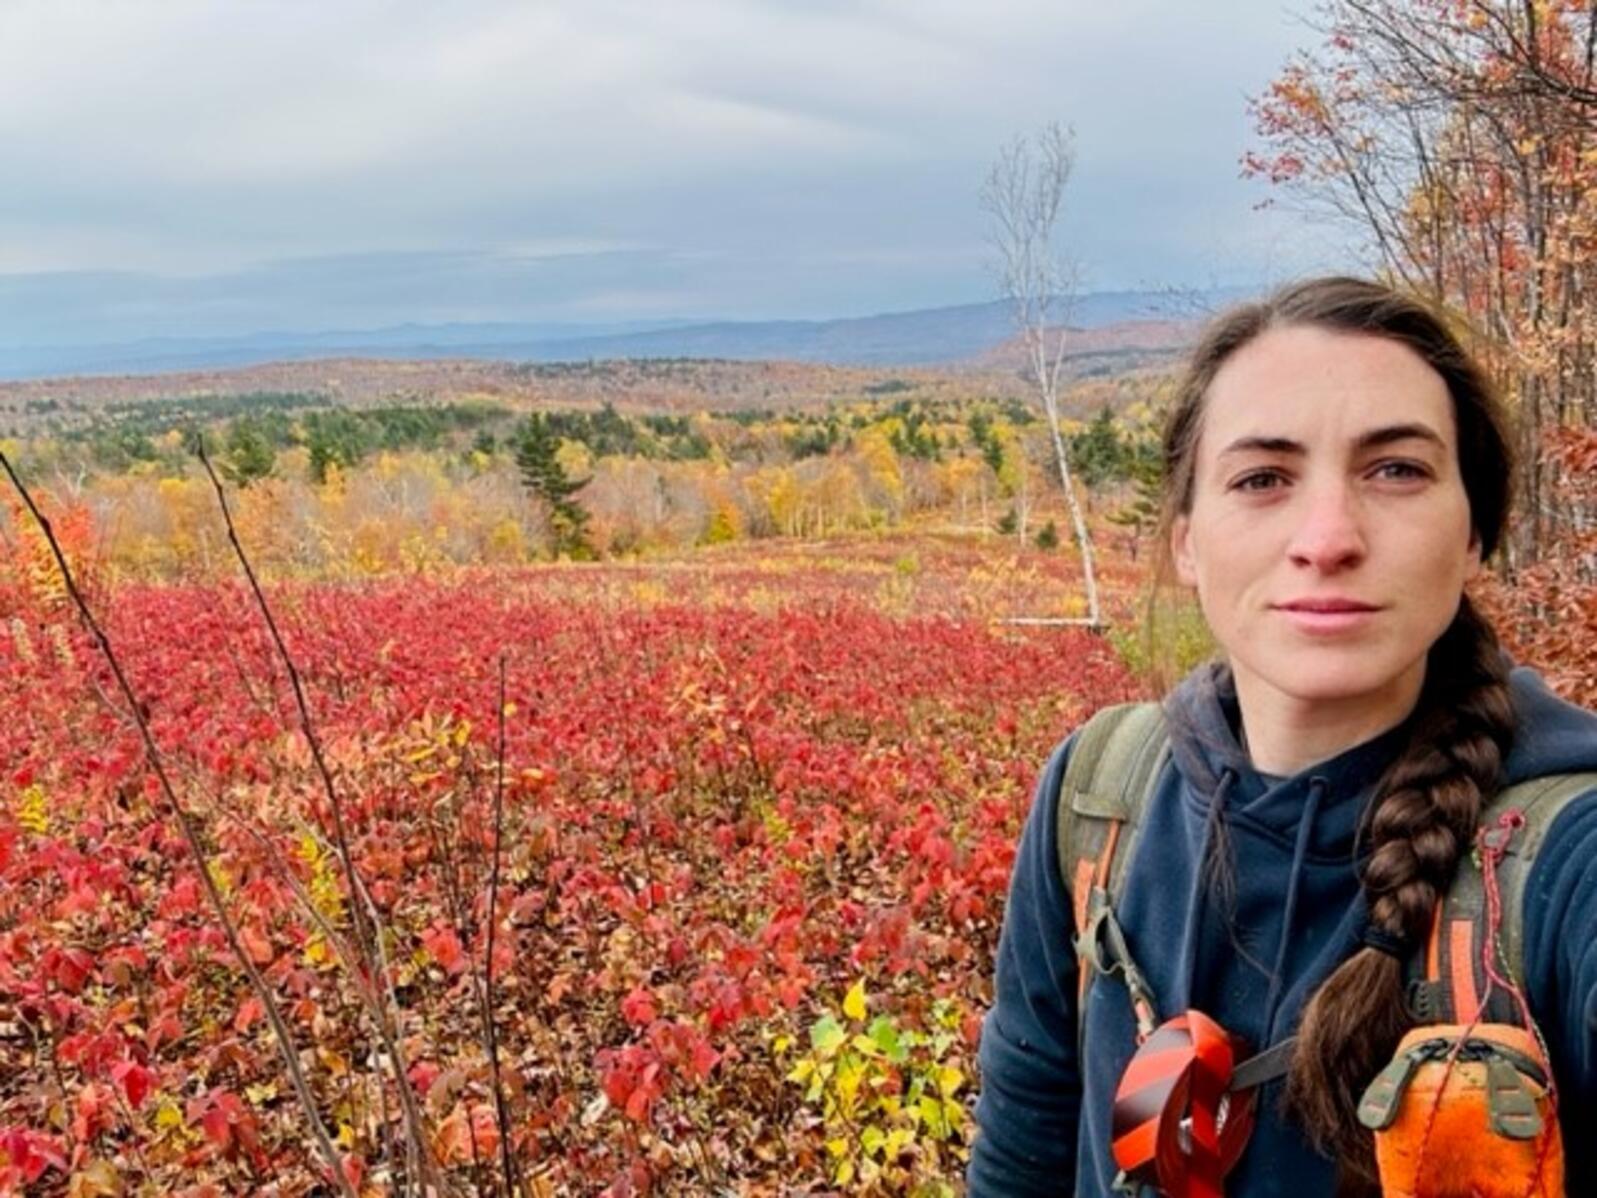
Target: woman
(1336,472)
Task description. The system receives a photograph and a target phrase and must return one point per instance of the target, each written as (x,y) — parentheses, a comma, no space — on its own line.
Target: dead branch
(368,928)
(191,835)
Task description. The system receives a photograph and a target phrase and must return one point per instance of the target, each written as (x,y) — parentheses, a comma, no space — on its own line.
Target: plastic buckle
(1090,943)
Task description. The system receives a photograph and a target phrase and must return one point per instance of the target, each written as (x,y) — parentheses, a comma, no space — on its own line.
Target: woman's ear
(1472,565)
(1181,551)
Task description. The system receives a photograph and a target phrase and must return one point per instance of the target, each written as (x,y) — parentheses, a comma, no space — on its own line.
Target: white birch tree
(1022,197)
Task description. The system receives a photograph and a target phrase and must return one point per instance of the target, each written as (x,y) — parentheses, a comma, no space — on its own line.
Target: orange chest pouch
(1468,1106)
(1466,1111)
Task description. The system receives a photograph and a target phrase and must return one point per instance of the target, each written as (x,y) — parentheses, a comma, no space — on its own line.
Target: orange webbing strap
(1081,892)
(1092,874)
(1453,964)
(1433,947)
(1462,963)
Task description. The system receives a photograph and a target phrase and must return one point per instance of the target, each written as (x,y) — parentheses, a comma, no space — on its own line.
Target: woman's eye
(1259,480)
(1401,471)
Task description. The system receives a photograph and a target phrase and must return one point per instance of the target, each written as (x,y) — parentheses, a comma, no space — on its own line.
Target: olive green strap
(1539,802)
(1113,766)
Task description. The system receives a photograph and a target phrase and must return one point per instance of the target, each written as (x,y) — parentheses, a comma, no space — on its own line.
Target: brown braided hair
(1427,803)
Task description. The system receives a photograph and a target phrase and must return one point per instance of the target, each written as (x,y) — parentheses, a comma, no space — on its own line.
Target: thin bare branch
(512,1179)
(368,928)
(192,837)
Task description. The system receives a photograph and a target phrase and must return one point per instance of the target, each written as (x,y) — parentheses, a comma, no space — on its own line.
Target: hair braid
(1422,821)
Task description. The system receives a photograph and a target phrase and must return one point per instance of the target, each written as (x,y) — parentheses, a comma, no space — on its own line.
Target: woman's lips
(1328,619)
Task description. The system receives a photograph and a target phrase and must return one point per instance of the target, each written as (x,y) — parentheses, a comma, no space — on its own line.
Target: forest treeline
(1458,141)
(325,489)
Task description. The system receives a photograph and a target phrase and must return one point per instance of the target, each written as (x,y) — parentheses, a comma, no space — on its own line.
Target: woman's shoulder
(1551,735)
(1554,740)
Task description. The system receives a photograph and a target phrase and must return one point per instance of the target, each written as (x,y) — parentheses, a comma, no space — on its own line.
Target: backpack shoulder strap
(1107,778)
(1454,979)
(1113,766)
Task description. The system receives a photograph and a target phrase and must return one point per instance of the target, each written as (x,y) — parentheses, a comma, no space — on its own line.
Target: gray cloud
(291,163)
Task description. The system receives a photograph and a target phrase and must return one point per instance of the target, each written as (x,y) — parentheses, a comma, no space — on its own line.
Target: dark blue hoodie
(1252,956)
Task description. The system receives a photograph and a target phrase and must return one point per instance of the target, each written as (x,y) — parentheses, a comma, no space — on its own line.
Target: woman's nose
(1330,535)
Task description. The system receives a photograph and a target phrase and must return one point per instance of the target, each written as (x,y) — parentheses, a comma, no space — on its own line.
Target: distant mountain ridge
(924,337)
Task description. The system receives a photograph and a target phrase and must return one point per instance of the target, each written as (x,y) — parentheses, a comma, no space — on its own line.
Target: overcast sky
(182,167)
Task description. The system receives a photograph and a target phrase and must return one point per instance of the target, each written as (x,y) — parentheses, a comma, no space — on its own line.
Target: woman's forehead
(1322,387)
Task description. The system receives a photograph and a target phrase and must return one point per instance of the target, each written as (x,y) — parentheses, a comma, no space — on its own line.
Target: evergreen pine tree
(249,454)
(1097,453)
(546,478)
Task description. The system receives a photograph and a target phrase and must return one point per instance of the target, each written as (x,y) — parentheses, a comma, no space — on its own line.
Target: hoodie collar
(1204,721)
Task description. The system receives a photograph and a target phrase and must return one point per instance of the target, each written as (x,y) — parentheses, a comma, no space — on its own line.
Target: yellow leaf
(953,1115)
(854,1001)
(220,878)
(346,1137)
(33,813)
(781,1044)
(949,1080)
(848,1081)
(168,1115)
(333,1062)
(317,953)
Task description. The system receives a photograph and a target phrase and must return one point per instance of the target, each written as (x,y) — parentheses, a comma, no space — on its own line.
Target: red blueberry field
(754,815)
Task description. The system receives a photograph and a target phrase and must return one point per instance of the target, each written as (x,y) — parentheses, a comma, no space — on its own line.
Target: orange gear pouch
(1466,1111)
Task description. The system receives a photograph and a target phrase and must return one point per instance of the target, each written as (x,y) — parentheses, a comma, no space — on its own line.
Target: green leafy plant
(887,1094)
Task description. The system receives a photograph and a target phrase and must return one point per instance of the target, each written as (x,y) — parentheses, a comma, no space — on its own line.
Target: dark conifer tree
(546,478)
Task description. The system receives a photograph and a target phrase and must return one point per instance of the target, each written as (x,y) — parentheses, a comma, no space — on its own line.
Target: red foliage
(1547,615)
(717,815)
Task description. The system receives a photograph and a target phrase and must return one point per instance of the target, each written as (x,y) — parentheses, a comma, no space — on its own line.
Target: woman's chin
(1332,676)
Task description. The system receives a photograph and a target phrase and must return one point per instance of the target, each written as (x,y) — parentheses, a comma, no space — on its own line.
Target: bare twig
(512,1181)
(368,929)
(196,846)
(1052,622)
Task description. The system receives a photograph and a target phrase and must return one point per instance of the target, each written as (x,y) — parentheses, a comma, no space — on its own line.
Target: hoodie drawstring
(1300,849)
(1196,900)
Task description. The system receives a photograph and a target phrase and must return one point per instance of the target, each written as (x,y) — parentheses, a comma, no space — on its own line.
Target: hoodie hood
(1552,736)
(1204,719)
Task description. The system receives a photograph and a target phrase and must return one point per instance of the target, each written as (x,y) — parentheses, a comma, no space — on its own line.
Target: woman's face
(1329,534)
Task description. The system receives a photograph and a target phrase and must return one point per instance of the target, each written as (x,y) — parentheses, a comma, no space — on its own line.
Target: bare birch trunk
(1023,195)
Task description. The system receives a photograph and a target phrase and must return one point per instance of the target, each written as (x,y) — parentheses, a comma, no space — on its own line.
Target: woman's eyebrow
(1384,435)
(1400,432)
(1265,445)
